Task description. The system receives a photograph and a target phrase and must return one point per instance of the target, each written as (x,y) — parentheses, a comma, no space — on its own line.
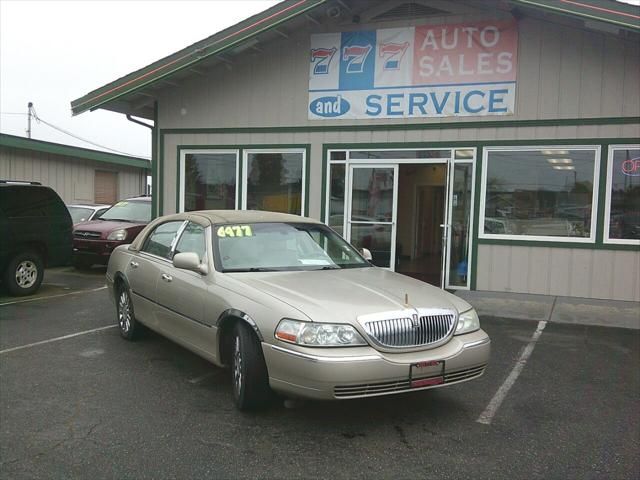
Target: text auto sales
(456,72)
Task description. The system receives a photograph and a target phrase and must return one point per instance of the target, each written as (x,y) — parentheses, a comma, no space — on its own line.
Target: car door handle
(134,264)
(166,278)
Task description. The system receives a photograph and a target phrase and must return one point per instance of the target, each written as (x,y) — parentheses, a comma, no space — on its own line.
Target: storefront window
(623,195)
(275,181)
(210,181)
(540,194)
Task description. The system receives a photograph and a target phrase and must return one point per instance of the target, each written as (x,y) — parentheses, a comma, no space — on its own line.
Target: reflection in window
(192,240)
(539,192)
(274,182)
(624,213)
(210,181)
(160,241)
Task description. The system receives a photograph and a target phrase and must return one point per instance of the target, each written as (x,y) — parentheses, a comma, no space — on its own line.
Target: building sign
(425,71)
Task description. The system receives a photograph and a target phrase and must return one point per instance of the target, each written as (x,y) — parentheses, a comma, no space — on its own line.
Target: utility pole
(29,107)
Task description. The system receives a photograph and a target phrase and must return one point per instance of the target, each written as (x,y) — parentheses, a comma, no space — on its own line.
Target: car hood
(105,226)
(343,295)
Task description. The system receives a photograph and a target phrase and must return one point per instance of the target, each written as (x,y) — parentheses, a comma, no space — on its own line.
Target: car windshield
(129,211)
(259,247)
(80,214)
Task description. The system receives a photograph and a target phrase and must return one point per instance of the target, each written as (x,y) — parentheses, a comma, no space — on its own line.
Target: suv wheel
(249,376)
(24,273)
(127,324)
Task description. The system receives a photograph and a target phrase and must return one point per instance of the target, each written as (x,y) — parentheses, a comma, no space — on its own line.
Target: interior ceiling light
(555,152)
(560,161)
(564,167)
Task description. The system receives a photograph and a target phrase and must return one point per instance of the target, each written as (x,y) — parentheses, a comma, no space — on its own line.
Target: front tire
(249,376)
(24,273)
(127,324)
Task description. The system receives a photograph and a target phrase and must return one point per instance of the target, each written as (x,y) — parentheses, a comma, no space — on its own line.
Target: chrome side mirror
(189,261)
(366,253)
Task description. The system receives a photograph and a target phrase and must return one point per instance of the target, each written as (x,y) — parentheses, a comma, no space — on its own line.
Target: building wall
(72,178)
(588,273)
(563,72)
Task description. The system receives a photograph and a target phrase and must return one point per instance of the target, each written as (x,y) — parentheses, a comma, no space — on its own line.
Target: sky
(52,52)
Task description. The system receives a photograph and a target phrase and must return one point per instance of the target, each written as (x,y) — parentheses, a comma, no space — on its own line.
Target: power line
(66,132)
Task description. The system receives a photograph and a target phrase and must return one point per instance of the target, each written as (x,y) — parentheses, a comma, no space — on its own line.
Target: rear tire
(249,377)
(127,324)
(24,273)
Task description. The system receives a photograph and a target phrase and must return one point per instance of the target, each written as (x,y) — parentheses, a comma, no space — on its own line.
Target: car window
(99,213)
(129,211)
(192,240)
(282,246)
(160,241)
(80,214)
(30,201)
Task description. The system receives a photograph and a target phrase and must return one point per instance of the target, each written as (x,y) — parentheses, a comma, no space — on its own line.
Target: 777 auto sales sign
(425,71)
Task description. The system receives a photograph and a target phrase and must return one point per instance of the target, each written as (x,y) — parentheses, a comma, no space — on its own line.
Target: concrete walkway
(580,311)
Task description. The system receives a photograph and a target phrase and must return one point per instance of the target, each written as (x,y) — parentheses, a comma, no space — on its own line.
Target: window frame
(591,239)
(173,242)
(205,151)
(245,173)
(180,234)
(607,195)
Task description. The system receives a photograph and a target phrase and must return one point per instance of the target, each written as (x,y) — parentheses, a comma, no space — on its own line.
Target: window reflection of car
(498,226)
(291,307)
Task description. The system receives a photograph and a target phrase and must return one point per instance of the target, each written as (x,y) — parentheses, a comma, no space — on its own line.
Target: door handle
(166,278)
(134,264)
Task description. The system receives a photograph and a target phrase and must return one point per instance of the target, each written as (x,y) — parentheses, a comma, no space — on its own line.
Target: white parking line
(489,412)
(53,296)
(57,339)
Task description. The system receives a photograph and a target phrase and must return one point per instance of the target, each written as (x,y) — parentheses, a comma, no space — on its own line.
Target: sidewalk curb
(567,310)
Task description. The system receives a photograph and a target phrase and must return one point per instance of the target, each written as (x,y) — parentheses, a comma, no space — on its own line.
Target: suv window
(30,201)
(160,241)
(192,240)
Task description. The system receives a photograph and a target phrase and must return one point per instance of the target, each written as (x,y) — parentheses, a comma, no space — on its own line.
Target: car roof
(137,199)
(88,205)
(250,216)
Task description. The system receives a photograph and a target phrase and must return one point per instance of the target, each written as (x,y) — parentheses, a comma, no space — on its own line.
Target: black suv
(36,232)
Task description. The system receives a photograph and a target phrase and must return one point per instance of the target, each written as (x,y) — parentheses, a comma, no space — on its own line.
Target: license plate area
(424,374)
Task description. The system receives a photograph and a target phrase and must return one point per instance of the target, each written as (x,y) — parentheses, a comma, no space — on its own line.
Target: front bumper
(94,251)
(362,371)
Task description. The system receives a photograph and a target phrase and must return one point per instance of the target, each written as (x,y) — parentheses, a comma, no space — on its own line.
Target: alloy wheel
(26,274)
(237,366)
(124,312)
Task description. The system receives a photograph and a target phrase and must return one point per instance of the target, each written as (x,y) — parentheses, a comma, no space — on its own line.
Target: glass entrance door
(372,210)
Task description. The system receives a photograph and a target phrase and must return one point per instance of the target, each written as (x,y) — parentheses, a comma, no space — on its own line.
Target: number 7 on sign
(356,55)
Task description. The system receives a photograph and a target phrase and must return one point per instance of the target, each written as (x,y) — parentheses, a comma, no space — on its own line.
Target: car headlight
(468,322)
(118,235)
(318,334)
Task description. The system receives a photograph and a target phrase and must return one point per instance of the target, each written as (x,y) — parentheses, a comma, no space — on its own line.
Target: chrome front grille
(86,234)
(410,332)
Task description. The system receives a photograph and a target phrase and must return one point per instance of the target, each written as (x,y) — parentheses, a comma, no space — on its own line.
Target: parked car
(36,233)
(86,212)
(291,307)
(94,241)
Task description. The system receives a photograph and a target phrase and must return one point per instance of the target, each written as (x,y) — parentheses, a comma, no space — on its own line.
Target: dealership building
(489,145)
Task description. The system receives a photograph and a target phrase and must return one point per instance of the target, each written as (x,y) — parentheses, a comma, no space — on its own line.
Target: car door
(182,294)
(144,270)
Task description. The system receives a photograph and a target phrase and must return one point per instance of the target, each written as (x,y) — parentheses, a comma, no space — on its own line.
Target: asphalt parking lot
(95,406)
